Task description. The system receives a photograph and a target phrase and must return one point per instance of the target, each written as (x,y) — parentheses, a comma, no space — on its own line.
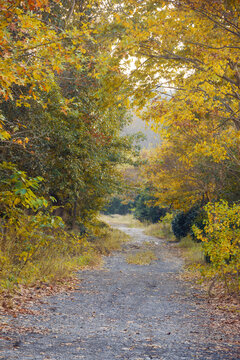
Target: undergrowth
(35,245)
(108,239)
(162,229)
(192,251)
(58,259)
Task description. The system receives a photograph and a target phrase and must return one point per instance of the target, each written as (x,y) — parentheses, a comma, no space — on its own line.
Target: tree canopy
(186,56)
(59,116)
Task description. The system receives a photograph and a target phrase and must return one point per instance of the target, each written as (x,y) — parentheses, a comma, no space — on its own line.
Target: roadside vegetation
(55,256)
(161,229)
(209,245)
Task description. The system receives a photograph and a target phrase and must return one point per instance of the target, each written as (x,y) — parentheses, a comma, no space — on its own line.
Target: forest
(71,74)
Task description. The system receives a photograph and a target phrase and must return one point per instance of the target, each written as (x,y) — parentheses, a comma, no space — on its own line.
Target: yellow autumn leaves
(190,83)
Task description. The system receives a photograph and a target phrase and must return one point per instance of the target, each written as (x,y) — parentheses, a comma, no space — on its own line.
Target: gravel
(123,311)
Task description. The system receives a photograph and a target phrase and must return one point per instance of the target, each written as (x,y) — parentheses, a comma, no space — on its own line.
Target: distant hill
(138,125)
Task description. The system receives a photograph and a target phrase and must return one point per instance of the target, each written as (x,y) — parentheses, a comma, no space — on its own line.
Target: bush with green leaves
(29,232)
(116,206)
(145,211)
(183,222)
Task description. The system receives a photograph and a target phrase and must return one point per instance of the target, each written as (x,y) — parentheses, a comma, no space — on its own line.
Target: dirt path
(123,312)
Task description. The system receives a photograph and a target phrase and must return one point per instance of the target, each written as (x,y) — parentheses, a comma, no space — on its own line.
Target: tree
(61,117)
(145,208)
(187,51)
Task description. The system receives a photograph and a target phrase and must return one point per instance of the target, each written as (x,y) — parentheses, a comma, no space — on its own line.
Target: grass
(192,251)
(160,230)
(55,260)
(50,264)
(141,258)
(117,219)
(108,240)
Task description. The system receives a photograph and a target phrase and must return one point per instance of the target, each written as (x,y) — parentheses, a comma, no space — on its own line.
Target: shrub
(107,240)
(144,211)
(198,221)
(221,238)
(33,242)
(179,226)
(183,222)
(115,206)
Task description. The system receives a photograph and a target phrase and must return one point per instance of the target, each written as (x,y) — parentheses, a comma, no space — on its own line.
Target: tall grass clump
(192,251)
(105,239)
(162,229)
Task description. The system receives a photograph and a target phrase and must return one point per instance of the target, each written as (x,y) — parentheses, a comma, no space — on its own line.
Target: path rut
(123,311)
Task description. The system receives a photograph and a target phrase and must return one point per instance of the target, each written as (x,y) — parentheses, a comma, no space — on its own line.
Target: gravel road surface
(123,311)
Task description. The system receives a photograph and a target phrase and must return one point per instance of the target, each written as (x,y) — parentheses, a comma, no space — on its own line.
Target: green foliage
(221,239)
(116,206)
(75,152)
(198,220)
(28,228)
(183,221)
(17,191)
(145,211)
(61,117)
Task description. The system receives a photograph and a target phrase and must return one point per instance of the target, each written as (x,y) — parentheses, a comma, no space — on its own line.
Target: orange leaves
(9,5)
(21,142)
(64,110)
(17,141)
(36,4)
